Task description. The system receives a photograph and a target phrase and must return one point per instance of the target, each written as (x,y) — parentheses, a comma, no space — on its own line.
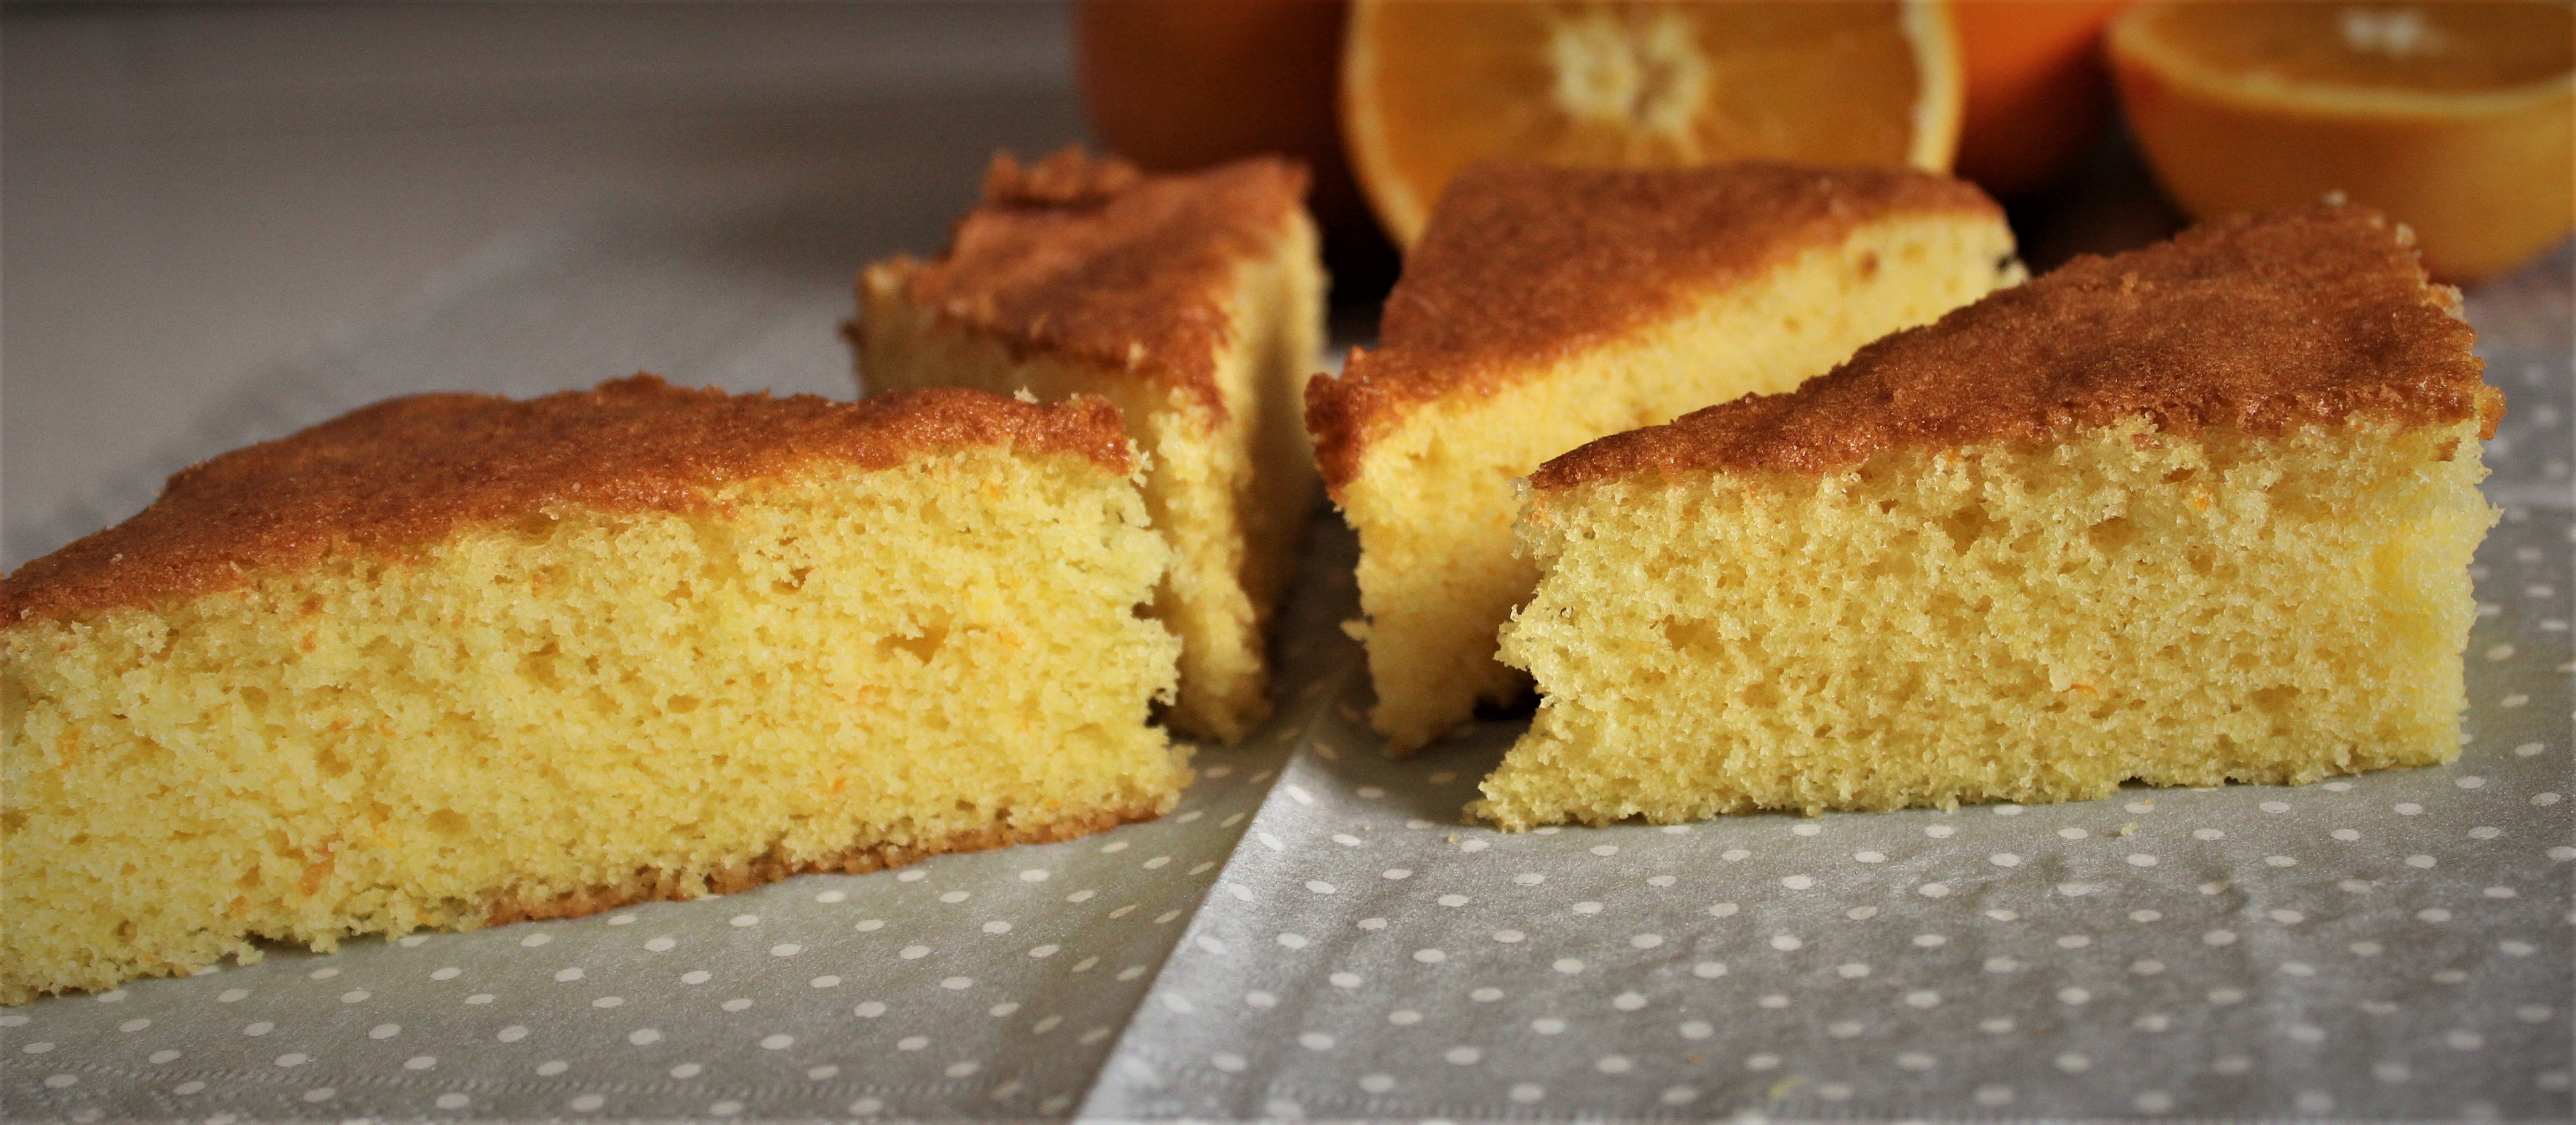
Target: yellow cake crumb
(830,665)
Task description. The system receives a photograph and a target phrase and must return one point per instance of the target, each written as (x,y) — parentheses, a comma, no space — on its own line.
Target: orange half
(1429,87)
(2458,119)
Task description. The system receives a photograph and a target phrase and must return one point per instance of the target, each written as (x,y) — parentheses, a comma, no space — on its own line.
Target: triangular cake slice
(1545,307)
(1196,303)
(454,660)
(2194,514)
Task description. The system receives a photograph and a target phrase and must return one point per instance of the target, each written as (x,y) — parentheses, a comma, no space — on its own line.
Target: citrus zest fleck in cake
(2195,514)
(1545,307)
(1194,302)
(454,660)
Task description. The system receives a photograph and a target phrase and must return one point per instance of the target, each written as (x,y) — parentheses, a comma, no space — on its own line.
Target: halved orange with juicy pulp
(1429,87)
(2458,119)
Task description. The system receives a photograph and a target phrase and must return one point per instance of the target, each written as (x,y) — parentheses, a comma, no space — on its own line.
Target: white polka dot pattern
(1886,965)
(2388,945)
(2381,946)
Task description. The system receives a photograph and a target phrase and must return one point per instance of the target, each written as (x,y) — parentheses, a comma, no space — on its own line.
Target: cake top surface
(1523,264)
(2257,323)
(385,478)
(1087,255)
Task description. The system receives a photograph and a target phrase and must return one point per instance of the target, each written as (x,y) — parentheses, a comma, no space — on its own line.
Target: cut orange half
(1431,86)
(2458,119)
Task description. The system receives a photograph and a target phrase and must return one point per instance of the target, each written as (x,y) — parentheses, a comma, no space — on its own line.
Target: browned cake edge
(384,479)
(1524,264)
(651,885)
(2257,323)
(1089,257)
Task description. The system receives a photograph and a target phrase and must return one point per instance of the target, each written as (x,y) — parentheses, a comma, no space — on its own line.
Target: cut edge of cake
(1546,307)
(1194,302)
(2256,395)
(802,579)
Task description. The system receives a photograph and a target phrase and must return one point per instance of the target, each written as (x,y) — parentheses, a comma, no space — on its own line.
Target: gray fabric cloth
(2392,945)
(2389,945)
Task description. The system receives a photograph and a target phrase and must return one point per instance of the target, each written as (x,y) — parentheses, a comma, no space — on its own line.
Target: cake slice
(453,660)
(2195,514)
(1545,307)
(1196,303)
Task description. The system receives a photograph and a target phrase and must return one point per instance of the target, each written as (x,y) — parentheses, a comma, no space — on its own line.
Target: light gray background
(197,200)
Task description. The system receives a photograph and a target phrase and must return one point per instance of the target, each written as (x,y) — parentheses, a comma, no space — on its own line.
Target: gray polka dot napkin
(1314,934)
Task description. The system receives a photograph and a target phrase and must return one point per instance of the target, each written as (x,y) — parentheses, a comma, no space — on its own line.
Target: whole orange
(2038,93)
(1181,84)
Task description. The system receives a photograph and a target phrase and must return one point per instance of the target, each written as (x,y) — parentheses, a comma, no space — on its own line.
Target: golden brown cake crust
(1522,264)
(384,479)
(2258,323)
(1089,257)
